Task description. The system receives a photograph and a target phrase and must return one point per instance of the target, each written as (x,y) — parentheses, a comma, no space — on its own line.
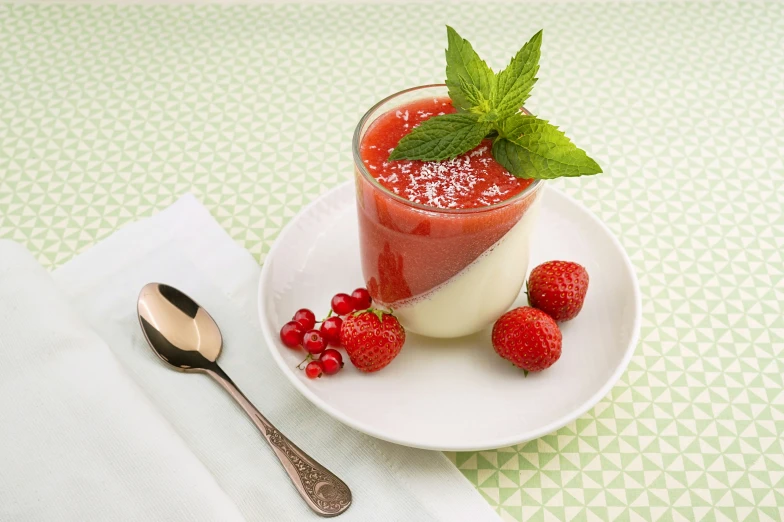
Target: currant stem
(307,359)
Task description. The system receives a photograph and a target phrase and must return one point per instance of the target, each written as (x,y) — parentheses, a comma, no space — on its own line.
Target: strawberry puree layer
(409,251)
(471,180)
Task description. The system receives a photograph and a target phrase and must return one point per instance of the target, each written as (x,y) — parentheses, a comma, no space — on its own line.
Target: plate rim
(555,425)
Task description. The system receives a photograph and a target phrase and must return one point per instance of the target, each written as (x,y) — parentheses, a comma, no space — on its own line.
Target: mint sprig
(490,105)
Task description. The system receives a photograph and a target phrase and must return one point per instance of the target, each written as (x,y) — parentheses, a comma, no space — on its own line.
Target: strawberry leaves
(489,106)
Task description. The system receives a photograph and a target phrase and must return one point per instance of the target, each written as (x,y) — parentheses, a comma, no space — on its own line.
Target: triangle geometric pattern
(109,113)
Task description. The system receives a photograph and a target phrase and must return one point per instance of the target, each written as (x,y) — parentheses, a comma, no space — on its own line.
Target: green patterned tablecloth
(108,114)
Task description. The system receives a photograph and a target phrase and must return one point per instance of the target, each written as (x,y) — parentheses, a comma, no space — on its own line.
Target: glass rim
(359,165)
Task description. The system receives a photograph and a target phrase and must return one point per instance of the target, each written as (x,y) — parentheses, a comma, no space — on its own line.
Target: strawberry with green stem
(372,338)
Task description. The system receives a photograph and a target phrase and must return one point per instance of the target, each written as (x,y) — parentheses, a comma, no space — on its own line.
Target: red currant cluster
(301,331)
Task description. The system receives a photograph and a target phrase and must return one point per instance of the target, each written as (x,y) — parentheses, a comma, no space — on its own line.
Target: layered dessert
(443,243)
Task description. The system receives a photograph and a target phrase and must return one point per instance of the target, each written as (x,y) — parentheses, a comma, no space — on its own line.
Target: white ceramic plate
(455,394)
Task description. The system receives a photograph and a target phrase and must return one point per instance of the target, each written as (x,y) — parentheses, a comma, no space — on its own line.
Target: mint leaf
(490,116)
(463,62)
(479,104)
(514,84)
(441,137)
(512,157)
(532,148)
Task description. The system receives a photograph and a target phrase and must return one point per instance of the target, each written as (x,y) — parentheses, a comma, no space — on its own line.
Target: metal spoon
(187,338)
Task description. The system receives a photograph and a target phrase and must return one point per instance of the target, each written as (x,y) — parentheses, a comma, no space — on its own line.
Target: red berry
(361,299)
(372,339)
(342,304)
(314,369)
(306,318)
(314,342)
(291,334)
(558,289)
(330,329)
(332,361)
(527,337)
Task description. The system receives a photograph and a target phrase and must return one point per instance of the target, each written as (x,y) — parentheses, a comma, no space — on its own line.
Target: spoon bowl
(181,333)
(186,337)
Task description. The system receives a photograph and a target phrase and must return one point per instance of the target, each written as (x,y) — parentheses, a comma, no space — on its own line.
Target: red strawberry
(558,288)
(372,338)
(528,337)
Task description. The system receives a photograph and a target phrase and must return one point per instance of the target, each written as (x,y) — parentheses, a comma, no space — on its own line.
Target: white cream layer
(480,293)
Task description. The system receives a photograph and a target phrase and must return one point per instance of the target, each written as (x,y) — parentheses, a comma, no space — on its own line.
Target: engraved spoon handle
(325,493)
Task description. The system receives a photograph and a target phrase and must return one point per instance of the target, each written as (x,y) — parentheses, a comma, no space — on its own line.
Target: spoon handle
(325,493)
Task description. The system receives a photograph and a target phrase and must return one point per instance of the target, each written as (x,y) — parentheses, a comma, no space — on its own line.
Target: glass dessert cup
(444,272)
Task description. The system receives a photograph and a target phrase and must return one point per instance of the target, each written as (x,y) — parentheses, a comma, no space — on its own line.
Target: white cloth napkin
(94,427)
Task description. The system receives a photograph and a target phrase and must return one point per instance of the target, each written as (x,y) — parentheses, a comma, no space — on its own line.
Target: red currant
(306,318)
(361,299)
(330,329)
(331,361)
(342,304)
(291,334)
(314,342)
(314,369)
